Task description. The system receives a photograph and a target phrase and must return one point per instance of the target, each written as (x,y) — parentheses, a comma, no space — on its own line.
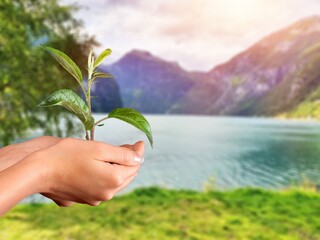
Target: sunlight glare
(240,9)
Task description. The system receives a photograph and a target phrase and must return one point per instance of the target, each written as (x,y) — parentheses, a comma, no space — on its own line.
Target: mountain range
(280,74)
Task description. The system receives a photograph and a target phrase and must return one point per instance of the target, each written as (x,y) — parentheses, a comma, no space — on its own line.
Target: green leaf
(134,118)
(90,57)
(101,57)
(100,125)
(102,75)
(73,103)
(96,75)
(66,62)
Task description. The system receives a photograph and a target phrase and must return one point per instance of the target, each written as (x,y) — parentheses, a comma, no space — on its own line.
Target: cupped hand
(88,172)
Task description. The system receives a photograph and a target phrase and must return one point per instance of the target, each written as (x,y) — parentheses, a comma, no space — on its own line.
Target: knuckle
(117,180)
(126,155)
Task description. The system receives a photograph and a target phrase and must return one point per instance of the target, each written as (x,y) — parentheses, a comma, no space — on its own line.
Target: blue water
(235,152)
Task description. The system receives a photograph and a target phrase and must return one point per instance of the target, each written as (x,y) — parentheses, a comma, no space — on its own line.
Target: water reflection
(237,152)
(282,158)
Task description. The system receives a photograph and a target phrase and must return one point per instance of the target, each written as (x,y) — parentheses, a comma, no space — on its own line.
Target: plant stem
(92,134)
(94,126)
(88,103)
(87,135)
(101,120)
(84,91)
(88,95)
(91,68)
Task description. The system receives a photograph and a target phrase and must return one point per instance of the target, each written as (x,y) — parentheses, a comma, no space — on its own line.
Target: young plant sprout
(74,103)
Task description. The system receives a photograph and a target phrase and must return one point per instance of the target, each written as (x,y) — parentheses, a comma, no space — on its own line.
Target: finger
(43,142)
(58,201)
(138,147)
(48,140)
(118,155)
(129,146)
(93,203)
(126,183)
(121,174)
(62,203)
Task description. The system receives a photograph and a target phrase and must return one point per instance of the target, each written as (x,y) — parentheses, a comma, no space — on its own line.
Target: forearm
(17,182)
(10,155)
(14,153)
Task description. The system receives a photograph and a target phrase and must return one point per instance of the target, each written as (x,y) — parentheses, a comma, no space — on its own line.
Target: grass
(155,213)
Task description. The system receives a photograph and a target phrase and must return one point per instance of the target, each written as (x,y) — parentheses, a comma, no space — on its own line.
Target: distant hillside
(273,76)
(106,95)
(150,84)
(279,74)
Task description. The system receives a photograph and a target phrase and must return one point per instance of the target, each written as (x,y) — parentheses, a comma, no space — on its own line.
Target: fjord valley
(277,75)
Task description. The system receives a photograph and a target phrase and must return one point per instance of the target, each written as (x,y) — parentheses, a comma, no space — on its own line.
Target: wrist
(14,153)
(9,155)
(33,175)
(38,171)
(18,182)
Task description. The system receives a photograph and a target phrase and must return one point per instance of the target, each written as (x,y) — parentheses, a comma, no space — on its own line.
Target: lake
(235,152)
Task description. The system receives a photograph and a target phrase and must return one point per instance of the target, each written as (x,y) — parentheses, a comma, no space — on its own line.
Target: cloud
(197,33)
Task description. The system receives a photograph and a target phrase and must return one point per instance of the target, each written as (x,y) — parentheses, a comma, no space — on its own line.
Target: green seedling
(72,102)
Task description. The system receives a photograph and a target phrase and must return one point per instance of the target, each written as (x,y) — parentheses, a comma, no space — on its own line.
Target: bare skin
(66,170)
(13,153)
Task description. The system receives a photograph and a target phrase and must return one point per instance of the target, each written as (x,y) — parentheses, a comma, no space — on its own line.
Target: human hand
(14,153)
(88,172)
(71,170)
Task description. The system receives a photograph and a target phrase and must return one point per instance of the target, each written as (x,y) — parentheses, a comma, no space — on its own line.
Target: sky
(198,34)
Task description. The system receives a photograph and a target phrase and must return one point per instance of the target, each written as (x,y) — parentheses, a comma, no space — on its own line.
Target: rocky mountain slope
(273,76)
(150,84)
(280,73)
(106,95)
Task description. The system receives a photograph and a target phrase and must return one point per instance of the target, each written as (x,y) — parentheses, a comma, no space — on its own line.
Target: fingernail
(138,159)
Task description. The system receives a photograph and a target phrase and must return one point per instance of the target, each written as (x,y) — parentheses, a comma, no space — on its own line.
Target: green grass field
(155,213)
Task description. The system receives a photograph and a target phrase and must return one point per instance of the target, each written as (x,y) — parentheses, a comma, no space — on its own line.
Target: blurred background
(231,90)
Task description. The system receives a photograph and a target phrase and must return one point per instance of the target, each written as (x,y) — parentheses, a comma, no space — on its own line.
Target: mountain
(279,74)
(273,76)
(106,95)
(150,84)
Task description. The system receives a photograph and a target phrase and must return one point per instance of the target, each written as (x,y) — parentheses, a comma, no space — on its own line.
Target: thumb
(138,147)
(119,155)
